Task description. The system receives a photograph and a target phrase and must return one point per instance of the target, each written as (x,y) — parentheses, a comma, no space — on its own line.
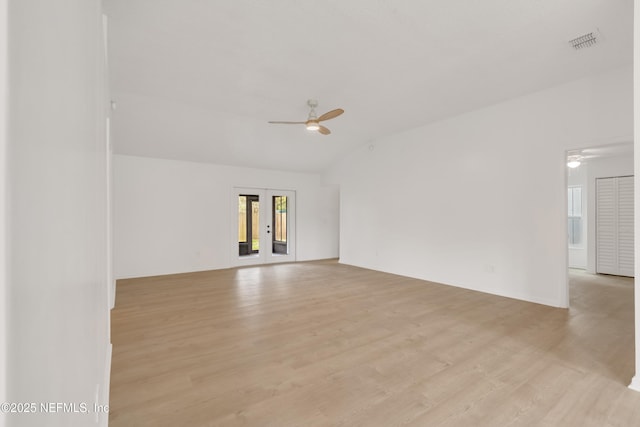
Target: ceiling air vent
(585,40)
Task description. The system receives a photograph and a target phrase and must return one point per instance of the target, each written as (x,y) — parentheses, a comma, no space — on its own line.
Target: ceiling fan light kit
(313,121)
(574,161)
(313,124)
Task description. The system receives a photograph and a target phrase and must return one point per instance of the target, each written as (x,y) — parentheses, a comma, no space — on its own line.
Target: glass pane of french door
(248,224)
(279,215)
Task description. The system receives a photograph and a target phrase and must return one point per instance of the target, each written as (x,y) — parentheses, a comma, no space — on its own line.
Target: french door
(264,226)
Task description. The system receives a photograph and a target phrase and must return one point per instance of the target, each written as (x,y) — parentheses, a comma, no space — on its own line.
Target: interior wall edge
(3,200)
(635,382)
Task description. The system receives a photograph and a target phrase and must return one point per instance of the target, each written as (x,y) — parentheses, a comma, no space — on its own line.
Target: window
(575,215)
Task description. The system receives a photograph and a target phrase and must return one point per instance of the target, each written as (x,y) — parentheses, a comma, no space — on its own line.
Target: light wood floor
(323,344)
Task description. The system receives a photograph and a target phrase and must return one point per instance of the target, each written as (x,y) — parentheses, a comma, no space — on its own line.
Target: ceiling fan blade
(323,130)
(288,123)
(331,114)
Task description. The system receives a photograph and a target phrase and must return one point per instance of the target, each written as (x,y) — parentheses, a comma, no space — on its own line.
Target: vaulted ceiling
(198,80)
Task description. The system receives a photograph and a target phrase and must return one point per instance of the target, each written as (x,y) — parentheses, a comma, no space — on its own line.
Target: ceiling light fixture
(573,164)
(313,124)
(574,161)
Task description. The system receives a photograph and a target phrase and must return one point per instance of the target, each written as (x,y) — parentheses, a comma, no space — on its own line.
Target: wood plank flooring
(324,344)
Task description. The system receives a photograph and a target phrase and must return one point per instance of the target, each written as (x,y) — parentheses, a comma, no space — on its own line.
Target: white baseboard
(635,383)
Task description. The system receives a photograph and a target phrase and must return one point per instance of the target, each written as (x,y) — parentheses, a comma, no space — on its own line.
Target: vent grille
(584,41)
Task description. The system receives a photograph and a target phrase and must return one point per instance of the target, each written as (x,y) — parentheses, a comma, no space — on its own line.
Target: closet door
(614,226)
(626,259)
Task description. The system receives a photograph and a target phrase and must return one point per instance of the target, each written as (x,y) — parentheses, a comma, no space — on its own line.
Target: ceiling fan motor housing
(312,103)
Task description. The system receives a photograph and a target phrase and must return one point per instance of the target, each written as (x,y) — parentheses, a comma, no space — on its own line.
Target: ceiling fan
(313,121)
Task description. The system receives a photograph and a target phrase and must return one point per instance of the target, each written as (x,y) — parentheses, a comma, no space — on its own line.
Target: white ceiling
(198,80)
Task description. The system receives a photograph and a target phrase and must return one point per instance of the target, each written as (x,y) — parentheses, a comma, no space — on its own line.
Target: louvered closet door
(614,226)
(626,259)
(606,241)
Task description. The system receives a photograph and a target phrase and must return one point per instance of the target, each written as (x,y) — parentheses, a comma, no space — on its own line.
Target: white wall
(601,168)
(479,200)
(174,217)
(57,294)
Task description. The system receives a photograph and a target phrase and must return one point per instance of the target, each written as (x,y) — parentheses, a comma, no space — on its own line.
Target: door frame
(265,254)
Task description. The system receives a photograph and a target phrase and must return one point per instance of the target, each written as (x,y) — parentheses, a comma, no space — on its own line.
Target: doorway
(263,226)
(590,231)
